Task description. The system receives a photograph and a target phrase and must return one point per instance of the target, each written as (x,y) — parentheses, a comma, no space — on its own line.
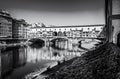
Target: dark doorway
(118,40)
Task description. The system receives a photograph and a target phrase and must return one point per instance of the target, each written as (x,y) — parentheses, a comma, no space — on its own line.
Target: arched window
(94,28)
(60,33)
(55,33)
(64,33)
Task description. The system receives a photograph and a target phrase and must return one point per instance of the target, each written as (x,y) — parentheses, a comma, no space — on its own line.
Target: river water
(16,62)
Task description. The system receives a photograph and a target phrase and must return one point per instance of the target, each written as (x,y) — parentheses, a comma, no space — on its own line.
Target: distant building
(5,25)
(26,30)
(85,31)
(19,29)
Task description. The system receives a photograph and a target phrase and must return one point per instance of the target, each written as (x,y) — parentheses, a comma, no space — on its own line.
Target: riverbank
(58,66)
(50,69)
(103,63)
(12,45)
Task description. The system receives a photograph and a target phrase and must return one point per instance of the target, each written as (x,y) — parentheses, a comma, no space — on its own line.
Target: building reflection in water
(12,58)
(19,61)
(7,62)
(19,57)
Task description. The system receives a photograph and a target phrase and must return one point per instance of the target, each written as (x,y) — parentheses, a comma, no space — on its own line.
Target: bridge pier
(46,42)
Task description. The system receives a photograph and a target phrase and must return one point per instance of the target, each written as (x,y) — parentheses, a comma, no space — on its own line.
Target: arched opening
(60,33)
(55,34)
(118,40)
(36,43)
(64,33)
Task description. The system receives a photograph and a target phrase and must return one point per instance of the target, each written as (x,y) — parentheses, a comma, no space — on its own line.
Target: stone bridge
(49,40)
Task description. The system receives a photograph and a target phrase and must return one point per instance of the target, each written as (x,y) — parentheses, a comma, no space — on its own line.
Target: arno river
(21,60)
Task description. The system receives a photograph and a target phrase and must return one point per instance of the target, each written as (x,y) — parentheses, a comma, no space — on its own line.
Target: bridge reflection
(56,42)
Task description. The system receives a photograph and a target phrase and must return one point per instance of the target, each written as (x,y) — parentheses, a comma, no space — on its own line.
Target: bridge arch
(39,41)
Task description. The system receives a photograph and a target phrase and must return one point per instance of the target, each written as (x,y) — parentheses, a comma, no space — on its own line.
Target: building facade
(5,25)
(87,31)
(19,29)
(12,29)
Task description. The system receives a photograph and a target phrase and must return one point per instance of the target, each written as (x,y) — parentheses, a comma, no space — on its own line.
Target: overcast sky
(57,12)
